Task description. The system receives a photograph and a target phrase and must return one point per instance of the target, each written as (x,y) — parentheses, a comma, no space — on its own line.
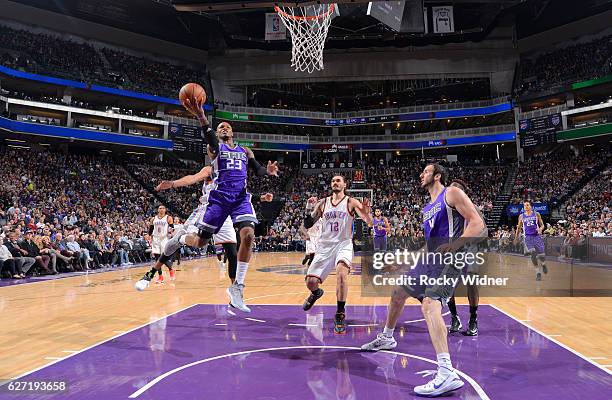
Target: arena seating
(565,65)
(53,55)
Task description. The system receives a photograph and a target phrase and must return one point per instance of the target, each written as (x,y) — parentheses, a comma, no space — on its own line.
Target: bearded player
(335,246)
(450,221)
(381,228)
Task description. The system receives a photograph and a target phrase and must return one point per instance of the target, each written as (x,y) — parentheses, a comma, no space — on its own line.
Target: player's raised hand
(194,106)
(267,197)
(310,204)
(365,205)
(164,185)
(273,168)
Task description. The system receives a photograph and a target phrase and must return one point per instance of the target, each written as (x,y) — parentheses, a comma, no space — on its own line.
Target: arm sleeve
(259,169)
(210,137)
(150,229)
(308,221)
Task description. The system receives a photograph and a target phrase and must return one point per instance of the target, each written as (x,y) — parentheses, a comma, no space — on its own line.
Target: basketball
(192,91)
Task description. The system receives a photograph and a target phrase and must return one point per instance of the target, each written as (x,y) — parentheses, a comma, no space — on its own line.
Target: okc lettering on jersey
(431,213)
(232,155)
(335,214)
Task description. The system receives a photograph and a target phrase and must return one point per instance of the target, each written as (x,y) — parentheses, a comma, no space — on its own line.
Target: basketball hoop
(308,26)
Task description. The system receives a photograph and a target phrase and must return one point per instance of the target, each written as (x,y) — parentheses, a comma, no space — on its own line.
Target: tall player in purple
(229,197)
(450,221)
(381,230)
(531,224)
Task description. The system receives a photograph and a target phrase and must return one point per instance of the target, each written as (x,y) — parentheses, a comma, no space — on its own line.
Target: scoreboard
(540,130)
(187,141)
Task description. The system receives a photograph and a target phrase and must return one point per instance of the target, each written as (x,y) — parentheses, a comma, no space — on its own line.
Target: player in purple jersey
(228,197)
(381,230)
(530,225)
(450,221)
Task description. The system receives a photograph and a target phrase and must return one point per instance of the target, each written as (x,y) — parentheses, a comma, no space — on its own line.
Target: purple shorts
(222,204)
(534,242)
(380,243)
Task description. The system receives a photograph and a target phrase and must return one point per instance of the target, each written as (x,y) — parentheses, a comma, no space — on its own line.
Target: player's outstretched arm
(314,211)
(194,106)
(362,209)
(186,180)
(476,227)
(258,169)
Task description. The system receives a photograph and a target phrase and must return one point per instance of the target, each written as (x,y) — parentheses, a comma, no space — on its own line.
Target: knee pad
(230,250)
(204,234)
(245,224)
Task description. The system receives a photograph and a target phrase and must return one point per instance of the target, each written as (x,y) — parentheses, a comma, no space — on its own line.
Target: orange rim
(302,18)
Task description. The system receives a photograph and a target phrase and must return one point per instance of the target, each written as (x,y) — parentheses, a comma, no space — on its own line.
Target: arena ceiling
(194,23)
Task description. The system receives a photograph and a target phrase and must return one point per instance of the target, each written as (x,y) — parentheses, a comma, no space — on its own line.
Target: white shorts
(227,233)
(158,244)
(311,246)
(327,257)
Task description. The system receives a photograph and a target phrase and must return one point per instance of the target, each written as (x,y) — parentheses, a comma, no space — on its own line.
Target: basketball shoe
(235,293)
(455,324)
(159,280)
(382,342)
(445,381)
(340,323)
(314,296)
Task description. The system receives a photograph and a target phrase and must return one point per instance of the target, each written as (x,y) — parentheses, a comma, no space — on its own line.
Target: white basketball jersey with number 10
(336,221)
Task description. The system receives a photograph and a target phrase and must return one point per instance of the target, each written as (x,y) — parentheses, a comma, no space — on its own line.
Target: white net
(308,26)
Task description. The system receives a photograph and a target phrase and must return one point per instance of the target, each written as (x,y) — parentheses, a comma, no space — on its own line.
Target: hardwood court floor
(47,320)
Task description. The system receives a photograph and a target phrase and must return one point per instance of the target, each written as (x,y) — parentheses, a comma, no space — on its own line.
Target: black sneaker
(455,324)
(314,296)
(472,328)
(340,323)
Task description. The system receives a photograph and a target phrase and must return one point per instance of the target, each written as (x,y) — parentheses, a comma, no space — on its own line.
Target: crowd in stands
(53,55)
(551,176)
(70,212)
(566,65)
(590,209)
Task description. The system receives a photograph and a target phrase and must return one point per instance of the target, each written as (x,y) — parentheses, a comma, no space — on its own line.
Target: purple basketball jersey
(379,226)
(440,221)
(530,224)
(230,168)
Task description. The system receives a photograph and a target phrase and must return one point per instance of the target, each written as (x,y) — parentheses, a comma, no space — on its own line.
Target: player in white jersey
(335,246)
(311,236)
(159,229)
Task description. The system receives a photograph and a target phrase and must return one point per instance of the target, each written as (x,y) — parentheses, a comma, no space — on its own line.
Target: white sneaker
(236,300)
(382,342)
(142,285)
(173,244)
(440,385)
